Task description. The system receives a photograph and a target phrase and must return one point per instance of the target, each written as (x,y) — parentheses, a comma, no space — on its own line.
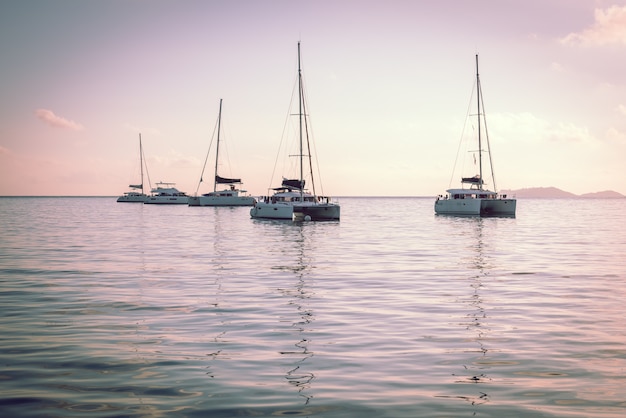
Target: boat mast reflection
(477,321)
(299,297)
(218,271)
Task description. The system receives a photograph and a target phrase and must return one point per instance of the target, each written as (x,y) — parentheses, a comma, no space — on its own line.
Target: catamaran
(291,200)
(476,200)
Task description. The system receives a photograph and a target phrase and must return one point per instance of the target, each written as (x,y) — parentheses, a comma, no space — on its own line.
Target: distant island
(555,193)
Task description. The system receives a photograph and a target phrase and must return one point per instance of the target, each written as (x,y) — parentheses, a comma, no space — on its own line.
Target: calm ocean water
(112,309)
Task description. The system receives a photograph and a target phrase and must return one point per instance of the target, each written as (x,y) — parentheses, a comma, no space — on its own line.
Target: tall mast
(300,116)
(141,161)
(480,155)
(217,149)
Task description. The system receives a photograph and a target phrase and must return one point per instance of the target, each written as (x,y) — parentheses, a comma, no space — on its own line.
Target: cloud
(528,127)
(608,28)
(51,119)
(556,67)
(614,135)
(568,132)
(621,109)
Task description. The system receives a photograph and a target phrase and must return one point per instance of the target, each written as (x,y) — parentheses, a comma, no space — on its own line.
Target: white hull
(296,212)
(168,195)
(166,200)
(476,207)
(221,201)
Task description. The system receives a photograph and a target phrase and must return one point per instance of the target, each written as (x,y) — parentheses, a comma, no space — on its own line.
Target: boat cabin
(469,194)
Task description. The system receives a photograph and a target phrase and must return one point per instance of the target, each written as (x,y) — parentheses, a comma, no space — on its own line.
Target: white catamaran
(230,196)
(291,200)
(476,200)
(136,196)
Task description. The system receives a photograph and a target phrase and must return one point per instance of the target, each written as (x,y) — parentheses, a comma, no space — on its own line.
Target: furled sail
(136,186)
(293,184)
(472,180)
(224,180)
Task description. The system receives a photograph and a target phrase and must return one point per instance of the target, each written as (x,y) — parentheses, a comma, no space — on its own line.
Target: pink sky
(388,85)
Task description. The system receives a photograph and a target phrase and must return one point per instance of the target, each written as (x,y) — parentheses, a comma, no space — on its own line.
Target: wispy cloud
(621,109)
(616,136)
(528,127)
(557,67)
(609,28)
(51,119)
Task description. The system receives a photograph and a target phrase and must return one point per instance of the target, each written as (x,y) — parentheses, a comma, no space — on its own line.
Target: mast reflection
(218,255)
(299,296)
(477,320)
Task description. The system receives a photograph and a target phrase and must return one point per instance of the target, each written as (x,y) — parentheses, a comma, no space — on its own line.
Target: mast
(217,150)
(480,155)
(141,161)
(300,123)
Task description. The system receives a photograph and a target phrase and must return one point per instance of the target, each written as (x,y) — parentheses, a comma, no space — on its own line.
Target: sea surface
(128,310)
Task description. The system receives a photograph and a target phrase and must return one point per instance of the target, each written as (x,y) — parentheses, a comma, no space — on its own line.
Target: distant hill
(607,194)
(555,193)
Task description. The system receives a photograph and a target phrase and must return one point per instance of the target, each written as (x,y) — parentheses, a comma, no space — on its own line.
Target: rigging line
(217,147)
(306,128)
(314,154)
(226,147)
(282,136)
(207,157)
(145,163)
(308,148)
(493,174)
(458,151)
(310,127)
(141,161)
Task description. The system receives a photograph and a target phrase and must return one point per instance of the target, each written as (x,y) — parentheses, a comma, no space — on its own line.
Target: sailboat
(136,196)
(475,199)
(291,200)
(227,197)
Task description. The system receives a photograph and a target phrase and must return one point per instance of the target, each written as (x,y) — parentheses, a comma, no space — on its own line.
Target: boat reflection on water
(477,320)
(475,349)
(218,343)
(301,314)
